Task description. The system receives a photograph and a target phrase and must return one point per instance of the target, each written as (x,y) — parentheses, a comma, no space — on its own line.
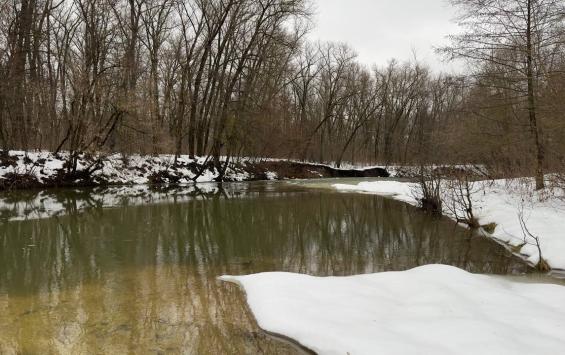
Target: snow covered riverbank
(501,202)
(21,170)
(433,309)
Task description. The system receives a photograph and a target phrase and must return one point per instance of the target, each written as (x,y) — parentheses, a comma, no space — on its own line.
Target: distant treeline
(238,77)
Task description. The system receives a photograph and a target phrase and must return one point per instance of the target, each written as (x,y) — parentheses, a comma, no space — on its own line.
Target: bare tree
(518,40)
(531,239)
(458,199)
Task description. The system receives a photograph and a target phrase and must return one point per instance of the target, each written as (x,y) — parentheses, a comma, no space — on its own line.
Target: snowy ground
(501,202)
(117,169)
(433,309)
(37,169)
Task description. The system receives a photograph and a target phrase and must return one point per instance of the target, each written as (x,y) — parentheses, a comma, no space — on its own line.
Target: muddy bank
(21,170)
(297,170)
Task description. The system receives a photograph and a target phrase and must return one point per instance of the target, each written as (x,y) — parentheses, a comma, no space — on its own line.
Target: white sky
(379,30)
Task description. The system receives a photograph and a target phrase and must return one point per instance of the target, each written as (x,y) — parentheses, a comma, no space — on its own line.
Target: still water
(121,270)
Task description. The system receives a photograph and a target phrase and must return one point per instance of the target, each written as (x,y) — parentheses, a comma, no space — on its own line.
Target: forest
(209,177)
(239,78)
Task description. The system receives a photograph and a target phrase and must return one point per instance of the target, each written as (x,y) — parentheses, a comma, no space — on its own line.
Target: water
(122,270)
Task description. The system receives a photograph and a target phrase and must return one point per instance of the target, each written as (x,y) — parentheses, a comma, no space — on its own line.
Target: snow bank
(118,169)
(499,202)
(398,190)
(38,169)
(428,310)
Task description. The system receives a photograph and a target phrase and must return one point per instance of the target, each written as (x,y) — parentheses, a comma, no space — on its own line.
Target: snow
(500,201)
(433,309)
(136,169)
(118,169)
(395,189)
(271,175)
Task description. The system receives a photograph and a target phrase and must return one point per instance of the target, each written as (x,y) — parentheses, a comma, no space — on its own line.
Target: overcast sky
(383,29)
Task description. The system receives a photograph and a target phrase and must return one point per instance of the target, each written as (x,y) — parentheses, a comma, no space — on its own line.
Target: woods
(518,45)
(229,78)
(372,174)
(117,75)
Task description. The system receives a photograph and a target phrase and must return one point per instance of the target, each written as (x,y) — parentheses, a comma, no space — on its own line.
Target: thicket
(238,77)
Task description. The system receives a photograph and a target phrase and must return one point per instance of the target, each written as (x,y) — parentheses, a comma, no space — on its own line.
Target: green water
(140,277)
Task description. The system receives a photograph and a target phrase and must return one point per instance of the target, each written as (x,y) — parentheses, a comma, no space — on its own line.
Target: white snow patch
(207,176)
(433,309)
(271,175)
(398,190)
(119,169)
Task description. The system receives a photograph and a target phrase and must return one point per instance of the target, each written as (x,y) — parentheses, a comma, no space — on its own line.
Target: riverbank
(500,203)
(27,170)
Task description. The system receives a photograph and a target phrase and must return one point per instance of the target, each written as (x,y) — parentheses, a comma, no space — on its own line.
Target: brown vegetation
(237,78)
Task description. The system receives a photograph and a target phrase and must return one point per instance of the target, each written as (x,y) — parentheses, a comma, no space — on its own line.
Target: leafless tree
(458,198)
(531,239)
(518,41)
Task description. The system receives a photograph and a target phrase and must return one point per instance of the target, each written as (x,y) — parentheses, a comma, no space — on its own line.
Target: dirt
(296,170)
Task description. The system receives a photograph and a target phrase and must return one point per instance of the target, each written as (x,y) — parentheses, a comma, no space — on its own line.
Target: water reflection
(142,278)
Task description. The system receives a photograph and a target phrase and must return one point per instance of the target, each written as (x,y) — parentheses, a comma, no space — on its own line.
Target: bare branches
(516,41)
(458,199)
(430,190)
(238,77)
(531,239)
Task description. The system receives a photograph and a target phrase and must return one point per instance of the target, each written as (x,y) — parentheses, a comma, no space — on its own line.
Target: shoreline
(497,203)
(44,170)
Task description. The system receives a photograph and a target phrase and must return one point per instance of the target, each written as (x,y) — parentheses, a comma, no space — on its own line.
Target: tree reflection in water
(142,277)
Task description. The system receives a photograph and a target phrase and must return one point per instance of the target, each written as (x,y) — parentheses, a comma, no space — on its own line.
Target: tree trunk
(534,124)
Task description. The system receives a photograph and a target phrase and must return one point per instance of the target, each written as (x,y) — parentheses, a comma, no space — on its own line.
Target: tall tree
(517,40)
